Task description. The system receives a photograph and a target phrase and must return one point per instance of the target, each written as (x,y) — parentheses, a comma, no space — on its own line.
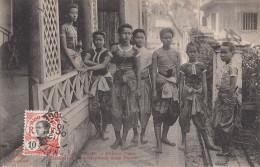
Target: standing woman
(126,85)
(100,103)
(144,102)
(70,48)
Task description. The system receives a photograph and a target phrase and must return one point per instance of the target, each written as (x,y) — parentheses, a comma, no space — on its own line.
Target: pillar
(122,11)
(87,23)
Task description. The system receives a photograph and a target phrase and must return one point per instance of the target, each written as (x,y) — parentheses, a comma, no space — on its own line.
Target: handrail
(5,29)
(232,33)
(2,29)
(59,80)
(5,33)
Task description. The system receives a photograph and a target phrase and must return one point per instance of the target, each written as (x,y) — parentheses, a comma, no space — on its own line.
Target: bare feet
(166,141)
(124,145)
(116,144)
(158,149)
(103,136)
(97,136)
(143,139)
(181,147)
(222,162)
(222,154)
(135,139)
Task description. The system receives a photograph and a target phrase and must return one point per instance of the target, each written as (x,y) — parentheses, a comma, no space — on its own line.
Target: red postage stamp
(42,132)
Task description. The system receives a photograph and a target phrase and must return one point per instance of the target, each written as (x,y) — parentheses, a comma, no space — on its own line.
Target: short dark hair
(195,31)
(99,33)
(46,125)
(165,30)
(230,46)
(138,31)
(121,27)
(191,44)
(73,5)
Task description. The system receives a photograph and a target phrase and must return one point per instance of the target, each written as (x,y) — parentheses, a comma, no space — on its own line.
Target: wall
(5,14)
(230,16)
(6,19)
(133,13)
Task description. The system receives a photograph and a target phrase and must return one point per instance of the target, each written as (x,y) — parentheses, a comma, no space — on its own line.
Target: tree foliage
(251,74)
(182,12)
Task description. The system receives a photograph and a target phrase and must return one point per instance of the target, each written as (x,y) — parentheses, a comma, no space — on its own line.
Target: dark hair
(72,6)
(138,31)
(191,44)
(230,46)
(46,125)
(121,27)
(195,31)
(99,33)
(165,30)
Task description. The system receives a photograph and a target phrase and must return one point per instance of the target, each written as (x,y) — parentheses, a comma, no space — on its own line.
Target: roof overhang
(211,3)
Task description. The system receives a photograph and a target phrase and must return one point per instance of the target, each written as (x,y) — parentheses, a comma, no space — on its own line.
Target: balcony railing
(61,94)
(5,35)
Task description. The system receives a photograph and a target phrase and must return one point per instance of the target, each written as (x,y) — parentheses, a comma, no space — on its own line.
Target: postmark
(42,133)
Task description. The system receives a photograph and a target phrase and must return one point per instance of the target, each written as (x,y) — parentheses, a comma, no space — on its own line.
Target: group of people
(148,83)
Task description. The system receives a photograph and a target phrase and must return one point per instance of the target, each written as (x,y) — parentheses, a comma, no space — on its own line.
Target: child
(223,121)
(126,85)
(144,102)
(166,61)
(70,48)
(100,89)
(192,85)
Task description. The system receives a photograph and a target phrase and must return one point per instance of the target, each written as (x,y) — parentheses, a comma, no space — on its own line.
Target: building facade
(238,17)
(49,89)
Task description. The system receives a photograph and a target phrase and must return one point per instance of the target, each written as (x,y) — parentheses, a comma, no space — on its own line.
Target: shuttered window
(249,21)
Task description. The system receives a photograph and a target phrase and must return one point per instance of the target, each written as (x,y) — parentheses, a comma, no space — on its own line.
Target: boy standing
(165,67)
(225,105)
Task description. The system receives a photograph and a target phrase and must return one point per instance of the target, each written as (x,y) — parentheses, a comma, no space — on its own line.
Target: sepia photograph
(127,83)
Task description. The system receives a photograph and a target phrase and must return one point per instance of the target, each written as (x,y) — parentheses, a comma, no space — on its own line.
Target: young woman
(144,102)
(70,47)
(100,101)
(126,85)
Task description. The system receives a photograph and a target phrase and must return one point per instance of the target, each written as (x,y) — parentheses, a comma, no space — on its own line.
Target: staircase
(4,35)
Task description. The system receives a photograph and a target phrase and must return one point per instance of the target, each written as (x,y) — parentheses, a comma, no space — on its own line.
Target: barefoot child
(165,67)
(126,85)
(144,102)
(225,105)
(100,102)
(193,86)
(70,47)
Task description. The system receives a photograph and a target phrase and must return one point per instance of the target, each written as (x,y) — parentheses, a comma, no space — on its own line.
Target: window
(249,21)
(204,21)
(213,21)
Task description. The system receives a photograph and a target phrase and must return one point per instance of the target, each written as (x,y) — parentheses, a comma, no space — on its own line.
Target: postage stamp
(42,133)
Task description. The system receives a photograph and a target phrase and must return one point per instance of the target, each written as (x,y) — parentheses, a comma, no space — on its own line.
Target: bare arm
(138,71)
(100,66)
(233,83)
(89,62)
(181,86)
(178,67)
(204,86)
(64,46)
(154,72)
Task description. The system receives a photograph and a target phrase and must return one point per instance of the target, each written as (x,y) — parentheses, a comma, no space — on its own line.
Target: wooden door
(109,22)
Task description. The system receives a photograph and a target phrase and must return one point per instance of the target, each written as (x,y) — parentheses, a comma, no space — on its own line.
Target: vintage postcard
(129,83)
